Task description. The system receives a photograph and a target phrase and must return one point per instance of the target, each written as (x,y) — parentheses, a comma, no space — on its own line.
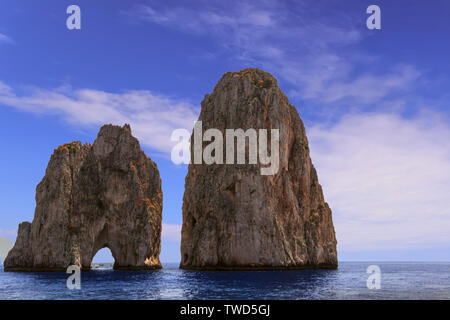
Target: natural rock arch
(92,196)
(99,259)
(102,241)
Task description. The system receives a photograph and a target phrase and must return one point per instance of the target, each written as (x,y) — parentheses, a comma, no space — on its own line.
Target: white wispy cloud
(242,25)
(5,246)
(316,54)
(4,38)
(327,78)
(10,233)
(369,88)
(171,232)
(152,117)
(212,14)
(386,178)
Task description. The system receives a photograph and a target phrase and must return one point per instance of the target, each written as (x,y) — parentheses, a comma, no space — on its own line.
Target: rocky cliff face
(236,218)
(93,196)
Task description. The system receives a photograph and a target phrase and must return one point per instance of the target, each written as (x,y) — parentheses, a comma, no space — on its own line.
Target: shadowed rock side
(234,218)
(91,197)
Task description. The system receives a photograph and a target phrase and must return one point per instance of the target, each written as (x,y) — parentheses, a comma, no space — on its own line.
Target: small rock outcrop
(235,218)
(93,196)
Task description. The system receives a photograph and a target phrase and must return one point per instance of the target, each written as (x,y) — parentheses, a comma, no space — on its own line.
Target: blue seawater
(399,280)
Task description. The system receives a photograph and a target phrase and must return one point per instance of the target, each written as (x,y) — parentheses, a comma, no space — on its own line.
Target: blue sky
(375,102)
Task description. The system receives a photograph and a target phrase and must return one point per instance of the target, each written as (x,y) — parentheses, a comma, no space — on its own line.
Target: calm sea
(405,280)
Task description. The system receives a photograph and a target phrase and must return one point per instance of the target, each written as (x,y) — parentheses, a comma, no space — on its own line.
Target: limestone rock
(234,217)
(93,196)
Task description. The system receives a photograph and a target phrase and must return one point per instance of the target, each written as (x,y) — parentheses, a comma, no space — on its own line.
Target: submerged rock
(236,218)
(93,196)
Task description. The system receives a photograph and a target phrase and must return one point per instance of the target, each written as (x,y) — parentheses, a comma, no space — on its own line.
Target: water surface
(399,280)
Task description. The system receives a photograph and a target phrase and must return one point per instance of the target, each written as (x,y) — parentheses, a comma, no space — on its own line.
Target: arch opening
(103,259)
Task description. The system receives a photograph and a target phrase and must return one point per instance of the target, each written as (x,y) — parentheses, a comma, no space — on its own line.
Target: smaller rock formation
(93,196)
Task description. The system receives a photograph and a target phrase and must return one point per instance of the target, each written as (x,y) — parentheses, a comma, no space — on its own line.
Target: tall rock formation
(235,218)
(93,196)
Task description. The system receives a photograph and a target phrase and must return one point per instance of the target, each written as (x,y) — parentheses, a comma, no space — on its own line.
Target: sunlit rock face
(93,196)
(236,218)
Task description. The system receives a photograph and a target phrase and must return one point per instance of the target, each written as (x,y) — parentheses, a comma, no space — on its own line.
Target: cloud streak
(5,246)
(9,233)
(4,38)
(152,117)
(314,53)
(171,232)
(386,178)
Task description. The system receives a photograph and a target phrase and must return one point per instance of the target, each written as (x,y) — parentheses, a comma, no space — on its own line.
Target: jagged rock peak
(93,196)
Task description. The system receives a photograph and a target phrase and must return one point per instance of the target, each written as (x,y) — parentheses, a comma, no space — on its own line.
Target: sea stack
(93,196)
(234,217)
